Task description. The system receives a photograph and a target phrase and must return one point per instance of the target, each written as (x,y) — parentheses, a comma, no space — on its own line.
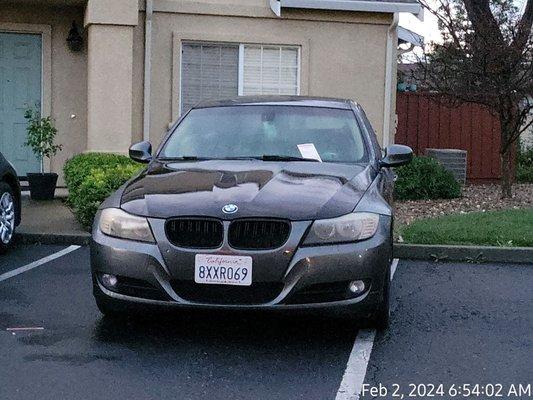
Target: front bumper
(293,273)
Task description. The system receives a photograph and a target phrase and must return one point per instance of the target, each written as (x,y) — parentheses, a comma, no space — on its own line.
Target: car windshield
(268,132)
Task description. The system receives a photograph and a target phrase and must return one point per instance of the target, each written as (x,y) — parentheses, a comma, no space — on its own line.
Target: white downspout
(275,6)
(147,68)
(390,59)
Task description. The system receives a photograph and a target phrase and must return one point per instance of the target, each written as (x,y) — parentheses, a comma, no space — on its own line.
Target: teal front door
(20,87)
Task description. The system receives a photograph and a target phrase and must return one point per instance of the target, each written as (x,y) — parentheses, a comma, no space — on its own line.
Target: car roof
(302,101)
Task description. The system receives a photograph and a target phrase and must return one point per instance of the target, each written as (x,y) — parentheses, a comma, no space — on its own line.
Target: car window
(254,131)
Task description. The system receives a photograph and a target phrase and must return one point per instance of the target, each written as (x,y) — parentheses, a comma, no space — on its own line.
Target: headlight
(118,223)
(348,228)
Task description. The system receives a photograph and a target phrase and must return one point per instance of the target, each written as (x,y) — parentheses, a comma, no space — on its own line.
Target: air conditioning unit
(453,160)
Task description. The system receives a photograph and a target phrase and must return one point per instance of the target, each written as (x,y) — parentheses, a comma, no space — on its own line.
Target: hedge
(524,166)
(92,177)
(425,178)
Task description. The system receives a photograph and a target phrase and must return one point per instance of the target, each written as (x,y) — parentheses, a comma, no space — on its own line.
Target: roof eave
(407,36)
(348,5)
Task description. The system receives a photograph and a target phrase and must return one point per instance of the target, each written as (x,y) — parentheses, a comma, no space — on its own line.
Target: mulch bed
(475,198)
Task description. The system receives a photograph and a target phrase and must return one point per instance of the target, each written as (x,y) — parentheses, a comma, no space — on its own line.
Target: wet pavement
(452,324)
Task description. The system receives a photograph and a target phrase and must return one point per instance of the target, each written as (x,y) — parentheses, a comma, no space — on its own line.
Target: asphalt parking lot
(452,324)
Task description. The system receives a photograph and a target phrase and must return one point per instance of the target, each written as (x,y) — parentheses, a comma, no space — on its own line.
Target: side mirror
(396,155)
(141,152)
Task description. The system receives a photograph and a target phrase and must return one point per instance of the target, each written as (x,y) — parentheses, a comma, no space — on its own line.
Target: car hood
(291,190)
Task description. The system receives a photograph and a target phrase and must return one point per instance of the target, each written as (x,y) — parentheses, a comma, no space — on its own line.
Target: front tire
(8,214)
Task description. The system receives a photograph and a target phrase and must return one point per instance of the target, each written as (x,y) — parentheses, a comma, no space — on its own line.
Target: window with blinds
(269,70)
(216,71)
(208,71)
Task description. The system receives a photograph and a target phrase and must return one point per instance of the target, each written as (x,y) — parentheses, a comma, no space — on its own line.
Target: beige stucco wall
(110,74)
(68,74)
(343,54)
(109,88)
(116,12)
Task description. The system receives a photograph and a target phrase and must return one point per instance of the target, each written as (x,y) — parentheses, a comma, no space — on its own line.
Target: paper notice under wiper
(308,150)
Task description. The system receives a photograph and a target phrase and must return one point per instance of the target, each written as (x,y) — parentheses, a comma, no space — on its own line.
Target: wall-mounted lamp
(74,39)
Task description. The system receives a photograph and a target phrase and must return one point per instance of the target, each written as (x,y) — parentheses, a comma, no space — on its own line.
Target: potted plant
(41,134)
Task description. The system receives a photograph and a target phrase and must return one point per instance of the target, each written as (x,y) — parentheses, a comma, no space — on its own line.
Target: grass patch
(513,228)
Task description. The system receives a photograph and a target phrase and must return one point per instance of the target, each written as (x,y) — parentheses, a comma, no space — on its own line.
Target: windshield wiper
(185,158)
(266,157)
(273,157)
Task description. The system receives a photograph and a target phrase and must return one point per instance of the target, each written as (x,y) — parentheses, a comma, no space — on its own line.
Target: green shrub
(524,166)
(80,166)
(425,178)
(92,177)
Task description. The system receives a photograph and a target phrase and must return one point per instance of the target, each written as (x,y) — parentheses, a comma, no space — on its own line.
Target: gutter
(147,68)
(390,60)
(350,5)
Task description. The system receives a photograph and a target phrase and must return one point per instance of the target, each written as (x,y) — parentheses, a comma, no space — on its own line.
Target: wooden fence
(425,123)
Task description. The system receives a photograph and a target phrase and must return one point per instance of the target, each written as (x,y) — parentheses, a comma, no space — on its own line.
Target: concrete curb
(473,254)
(80,239)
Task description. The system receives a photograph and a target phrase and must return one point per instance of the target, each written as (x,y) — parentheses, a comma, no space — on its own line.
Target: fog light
(357,287)
(109,280)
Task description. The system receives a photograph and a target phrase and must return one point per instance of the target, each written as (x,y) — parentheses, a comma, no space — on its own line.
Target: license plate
(214,269)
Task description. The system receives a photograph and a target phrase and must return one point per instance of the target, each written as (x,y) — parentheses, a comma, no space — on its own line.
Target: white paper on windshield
(308,150)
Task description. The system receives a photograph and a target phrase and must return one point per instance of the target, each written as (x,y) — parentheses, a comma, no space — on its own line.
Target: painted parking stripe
(393,267)
(38,263)
(354,375)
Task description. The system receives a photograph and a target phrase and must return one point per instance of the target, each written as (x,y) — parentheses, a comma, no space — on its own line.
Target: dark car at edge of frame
(10,204)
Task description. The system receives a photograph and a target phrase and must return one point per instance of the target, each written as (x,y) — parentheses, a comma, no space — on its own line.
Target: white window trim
(178,37)
(299,72)
(241,69)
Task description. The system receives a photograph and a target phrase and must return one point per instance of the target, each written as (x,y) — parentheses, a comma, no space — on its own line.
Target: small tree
(485,57)
(41,134)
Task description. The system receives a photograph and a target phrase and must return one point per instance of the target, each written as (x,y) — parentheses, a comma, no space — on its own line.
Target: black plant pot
(42,186)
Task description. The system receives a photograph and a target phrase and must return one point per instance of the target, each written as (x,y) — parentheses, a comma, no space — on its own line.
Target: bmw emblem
(230,209)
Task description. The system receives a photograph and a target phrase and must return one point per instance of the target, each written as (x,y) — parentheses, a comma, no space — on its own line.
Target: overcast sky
(428,28)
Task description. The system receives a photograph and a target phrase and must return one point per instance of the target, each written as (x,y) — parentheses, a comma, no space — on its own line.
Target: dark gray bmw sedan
(256,203)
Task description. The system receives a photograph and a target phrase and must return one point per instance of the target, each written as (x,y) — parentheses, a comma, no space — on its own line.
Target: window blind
(208,71)
(270,70)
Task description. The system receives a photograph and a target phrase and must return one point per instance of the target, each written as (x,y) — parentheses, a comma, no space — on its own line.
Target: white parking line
(354,375)
(38,263)
(393,267)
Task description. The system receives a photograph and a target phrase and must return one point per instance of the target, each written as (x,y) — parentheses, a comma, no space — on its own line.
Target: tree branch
(483,21)
(523,33)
